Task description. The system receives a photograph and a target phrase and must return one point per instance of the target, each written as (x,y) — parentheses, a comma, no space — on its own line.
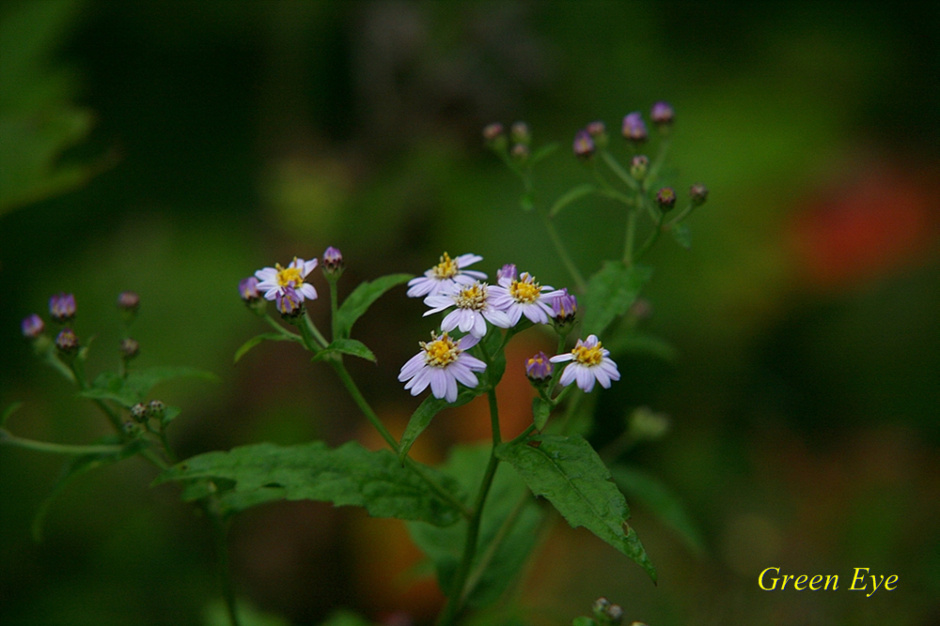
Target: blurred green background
(173,148)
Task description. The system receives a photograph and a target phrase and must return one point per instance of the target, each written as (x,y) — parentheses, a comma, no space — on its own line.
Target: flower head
(564,306)
(275,281)
(442,363)
(473,309)
(332,260)
(522,295)
(62,307)
(634,128)
(583,145)
(598,132)
(66,341)
(590,362)
(538,367)
(289,302)
(699,194)
(666,199)
(248,289)
(128,301)
(662,114)
(444,276)
(32,326)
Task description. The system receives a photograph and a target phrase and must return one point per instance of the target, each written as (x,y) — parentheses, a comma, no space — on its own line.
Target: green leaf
(610,293)
(508,529)
(362,297)
(254,341)
(129,391)
(569,473)
(345,346)
(571,196)
(661,501)
(542,152)
(78,466)
(7,412)
(541,409)
(345,618)
(348,475)
(682,234)
(170,414)
(425,412)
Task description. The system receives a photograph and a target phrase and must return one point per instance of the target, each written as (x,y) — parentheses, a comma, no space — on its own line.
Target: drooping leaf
(359,301)
(569,474)
(254,341)
(661,501)
(345,346)
(349,475)
(425,412)
(129,391)
(571,196)
(510,517)
(610,293)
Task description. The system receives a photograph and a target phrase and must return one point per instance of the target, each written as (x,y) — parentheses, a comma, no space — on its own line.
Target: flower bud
(639,166)
(156,409)
(598,132)
(564,306)
(583,145)
(614,614)
(62,307)
(666,199)
(129,348)
(538,368)
(495,136)
(132,429)
(662,114)
(599,609)
(66,341)
(519,133)
(248,289)
(520,152)
(507,271)
(139,412)
(32,326)
(289,303)
(332,261)
(699,194)
(634,129)
(128,301)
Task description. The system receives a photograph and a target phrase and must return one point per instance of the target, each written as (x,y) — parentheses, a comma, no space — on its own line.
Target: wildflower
(128,301)
(538,367)
(445,276)
(523,295)
(442,363)
(248,289)
(276,281)
(473,311)
(62,307)
(583,145)
(666,199)
(32,326)
(590,361)
(699,194)
(564,306)
(634,128)
(662,114)
(332,261)
(66,341)
(289,303)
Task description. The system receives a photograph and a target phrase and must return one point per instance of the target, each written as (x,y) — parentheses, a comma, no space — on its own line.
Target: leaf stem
(8,438)
(563,253)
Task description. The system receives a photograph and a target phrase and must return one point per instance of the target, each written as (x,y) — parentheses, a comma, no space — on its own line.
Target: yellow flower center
(440,352)
(588,356)
(472,297)
(525,289)
(288,276)
(447,268)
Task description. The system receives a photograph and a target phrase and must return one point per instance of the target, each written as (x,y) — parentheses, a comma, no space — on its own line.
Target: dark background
(173,148)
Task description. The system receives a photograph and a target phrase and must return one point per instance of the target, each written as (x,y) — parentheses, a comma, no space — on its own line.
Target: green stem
(621,173)
(653,236)
(312,334)
(563,253)
(659,159)
(628,238)
(8,438)
(334,306)
(273,323)
(220,533)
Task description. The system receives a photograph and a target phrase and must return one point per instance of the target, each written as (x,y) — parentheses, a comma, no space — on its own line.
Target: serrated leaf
(541,409)
(571,196)
(423,415)
(129,391)
(254,341)
(661,502)
(359,301)
(610,293)
(78,466)
(346,476)
(569,474)
(510,510)
(682,234)
(346,346)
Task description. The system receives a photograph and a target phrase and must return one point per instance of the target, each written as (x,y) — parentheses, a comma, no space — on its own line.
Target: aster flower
(634,128)
(522,295)
(473,311)
(248,289)
(538,368)
(275,281)
(62,307)
(442,363)
(32,326)
(444,276)
(590,362)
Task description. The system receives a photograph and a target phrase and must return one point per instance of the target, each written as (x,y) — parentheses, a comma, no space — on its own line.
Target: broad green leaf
(510,517)
(661,502)
(572,195)
(682,234)
(610,293)
(348,475)
(254,341)
(359,301)
(569,474)
(129,391)
(170,414)
(345,346)
(541,409)
(425,412)
(79,465)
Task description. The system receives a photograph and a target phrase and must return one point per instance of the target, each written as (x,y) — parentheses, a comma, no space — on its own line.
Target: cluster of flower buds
(517,141)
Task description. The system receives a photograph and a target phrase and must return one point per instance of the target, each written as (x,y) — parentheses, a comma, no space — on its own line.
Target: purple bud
(598,132)
(248,289)
(289,302)
(666,199)
(699,194)
(495,136)
(507,271)
(129,348)
(128,301)
(583,145)
(67,341)
(520,152)
(634,129)
(538,367)
(332,260)
(564,306)
(62,307)
(639,166)
(662,114)
(32,326)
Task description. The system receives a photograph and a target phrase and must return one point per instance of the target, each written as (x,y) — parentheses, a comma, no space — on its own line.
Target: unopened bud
(519,133)
(598,132)
(564,309)
(66,341)
(139,412)
(666,199)
(614,614)
(129,348)
(583,145)
(156,409)
(699,194)
(600,607)
(332,261)
(538,368)
(62,307)
(32,326)
(132,429)
(634,129)
(128,301)
(639,166)
(520,152)
(662,114)
(495,136)
(248,289)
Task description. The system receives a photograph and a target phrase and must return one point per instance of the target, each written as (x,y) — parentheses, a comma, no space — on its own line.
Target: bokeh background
(173,148)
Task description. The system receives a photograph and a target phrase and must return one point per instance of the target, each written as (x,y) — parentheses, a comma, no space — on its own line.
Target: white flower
(275,281)
(442,363)
(473,310)
(590,361)
(523,296)
(445,276)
